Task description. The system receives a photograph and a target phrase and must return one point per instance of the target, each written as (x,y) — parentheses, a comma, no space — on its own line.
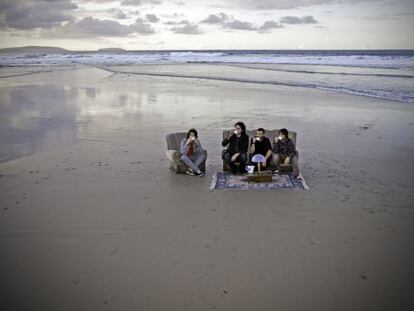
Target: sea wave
(357,89)
(365,59)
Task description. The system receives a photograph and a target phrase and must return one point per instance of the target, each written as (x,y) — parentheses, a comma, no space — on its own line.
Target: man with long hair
(237,142)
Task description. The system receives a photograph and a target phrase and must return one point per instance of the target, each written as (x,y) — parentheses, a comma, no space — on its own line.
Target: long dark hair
(284,132)
(242,126)
(192,131)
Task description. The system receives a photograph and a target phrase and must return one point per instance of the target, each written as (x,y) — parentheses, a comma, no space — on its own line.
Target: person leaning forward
(260,144)
(284,150)
(237,142)
(192,153)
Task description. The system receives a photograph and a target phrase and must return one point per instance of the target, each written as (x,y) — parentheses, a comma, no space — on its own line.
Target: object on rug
(223,181)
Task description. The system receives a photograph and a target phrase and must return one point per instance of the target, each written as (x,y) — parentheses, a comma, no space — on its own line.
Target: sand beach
(92,218)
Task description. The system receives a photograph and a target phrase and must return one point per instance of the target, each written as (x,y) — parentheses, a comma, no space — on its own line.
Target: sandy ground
(91,217)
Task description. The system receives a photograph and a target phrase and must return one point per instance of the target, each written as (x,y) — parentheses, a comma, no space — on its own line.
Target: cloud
(228,22)
(7,4)
(276,4)
(152,18)
(137,2)
(141,27)
(171,23)
(186,28)
(240,25)
(298,20)
(220,18)
(117,13)
(131,2)
(39,14)
(268,25)
(90,27)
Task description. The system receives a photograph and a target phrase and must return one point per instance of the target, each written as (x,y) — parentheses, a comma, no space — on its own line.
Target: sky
(214,24)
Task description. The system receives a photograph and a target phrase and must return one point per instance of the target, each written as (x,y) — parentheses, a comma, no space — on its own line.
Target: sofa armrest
(173,156)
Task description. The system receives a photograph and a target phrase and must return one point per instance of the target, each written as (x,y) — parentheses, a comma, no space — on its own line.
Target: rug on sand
(239,182)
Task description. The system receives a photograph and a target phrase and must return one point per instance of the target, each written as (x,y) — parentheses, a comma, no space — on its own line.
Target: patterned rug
(223,181)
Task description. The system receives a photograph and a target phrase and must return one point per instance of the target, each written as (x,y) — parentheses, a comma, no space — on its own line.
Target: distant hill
(34,49)
(111,50)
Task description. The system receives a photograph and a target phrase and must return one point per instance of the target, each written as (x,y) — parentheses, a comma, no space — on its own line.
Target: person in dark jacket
(260,144)
(237,142)
(284,150)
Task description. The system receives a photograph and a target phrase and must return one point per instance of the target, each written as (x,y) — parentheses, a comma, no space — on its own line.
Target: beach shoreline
(92,217)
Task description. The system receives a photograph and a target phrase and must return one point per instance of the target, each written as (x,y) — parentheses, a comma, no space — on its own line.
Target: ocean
(384,74)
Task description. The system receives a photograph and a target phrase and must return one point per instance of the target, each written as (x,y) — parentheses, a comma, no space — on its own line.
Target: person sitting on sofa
(261,145)
(285,151)
(192,153)
(237,142)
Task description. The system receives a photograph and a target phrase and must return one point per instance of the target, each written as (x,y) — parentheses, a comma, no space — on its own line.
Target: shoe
(199,174)
(190,172)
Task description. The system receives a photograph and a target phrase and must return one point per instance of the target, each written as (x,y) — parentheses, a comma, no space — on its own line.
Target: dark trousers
(242,159)
(268,162)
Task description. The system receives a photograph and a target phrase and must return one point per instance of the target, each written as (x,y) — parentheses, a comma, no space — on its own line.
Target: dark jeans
(268,162)
(242,159)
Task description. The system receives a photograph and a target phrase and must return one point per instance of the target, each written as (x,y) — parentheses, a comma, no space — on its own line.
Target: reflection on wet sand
(34,117)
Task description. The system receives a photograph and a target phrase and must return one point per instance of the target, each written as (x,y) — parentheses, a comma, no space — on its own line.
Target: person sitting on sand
(260,144)
(285,151)
(192,153)
(237,142)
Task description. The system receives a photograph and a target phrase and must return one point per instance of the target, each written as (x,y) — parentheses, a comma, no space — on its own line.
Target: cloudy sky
(214,24)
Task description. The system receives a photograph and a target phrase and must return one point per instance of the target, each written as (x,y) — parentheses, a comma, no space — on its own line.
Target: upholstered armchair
(173,152)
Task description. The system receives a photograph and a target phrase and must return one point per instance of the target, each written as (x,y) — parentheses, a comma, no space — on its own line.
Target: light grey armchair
(173,153)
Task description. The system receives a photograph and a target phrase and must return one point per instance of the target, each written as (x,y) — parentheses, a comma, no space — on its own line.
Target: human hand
(234,157)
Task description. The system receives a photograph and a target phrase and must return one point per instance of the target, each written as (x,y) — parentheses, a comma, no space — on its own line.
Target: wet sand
(91,217)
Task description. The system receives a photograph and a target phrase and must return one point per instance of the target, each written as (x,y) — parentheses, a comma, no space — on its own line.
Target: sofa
(173,153)
(271,134)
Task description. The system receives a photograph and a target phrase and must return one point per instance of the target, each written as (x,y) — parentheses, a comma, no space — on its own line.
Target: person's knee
(184,157)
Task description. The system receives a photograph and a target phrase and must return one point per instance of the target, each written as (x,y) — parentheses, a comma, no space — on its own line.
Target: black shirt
(236,144)
(262,146)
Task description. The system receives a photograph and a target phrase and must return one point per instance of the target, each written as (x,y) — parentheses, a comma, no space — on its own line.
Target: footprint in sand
(78,278)
(193,226)
(114,250)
